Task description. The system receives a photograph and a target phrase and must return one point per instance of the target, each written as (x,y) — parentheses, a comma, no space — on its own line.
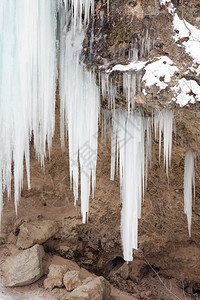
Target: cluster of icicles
(28,72)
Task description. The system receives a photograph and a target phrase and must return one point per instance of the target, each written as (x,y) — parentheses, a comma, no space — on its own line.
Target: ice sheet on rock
(27,86)
(186,92)
(189,185)
(79,107)
(159,72)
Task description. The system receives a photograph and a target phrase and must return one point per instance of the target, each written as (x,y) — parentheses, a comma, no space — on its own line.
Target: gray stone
(24,268)
(71,280)
(36,232)
(97,289)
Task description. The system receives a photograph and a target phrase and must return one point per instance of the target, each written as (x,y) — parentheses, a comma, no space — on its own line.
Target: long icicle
(27,86)
(79,102)
(189,183)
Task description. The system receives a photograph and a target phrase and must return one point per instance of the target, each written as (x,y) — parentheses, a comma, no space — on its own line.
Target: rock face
(71,280)
(25,267)
(36,232)
(55,276)
(97,289)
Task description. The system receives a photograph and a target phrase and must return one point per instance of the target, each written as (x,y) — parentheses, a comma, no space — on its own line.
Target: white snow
(189,184)
(169,5)
(183,29)
(186,91)
(27,86)
(159,72)
(134,66)
(79,107)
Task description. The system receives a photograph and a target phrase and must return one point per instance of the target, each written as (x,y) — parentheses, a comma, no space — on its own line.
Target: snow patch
(169,5)
(132,66)
(187,91)
(189,36)
(159,72)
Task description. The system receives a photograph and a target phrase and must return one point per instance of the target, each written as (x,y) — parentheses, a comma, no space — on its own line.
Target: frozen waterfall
(79,105)
(27,86)
(131,144)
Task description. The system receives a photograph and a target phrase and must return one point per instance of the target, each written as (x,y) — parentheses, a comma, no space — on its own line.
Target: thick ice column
(129,130)
(189,183)
(79,103)
(27,85)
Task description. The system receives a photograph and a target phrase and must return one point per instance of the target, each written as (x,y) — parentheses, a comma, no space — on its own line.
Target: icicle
(163,122)
(129,88)
(129,128)
(27,86)
(145,45)
(148,147)
(189,181)
(79,103)
(108,89)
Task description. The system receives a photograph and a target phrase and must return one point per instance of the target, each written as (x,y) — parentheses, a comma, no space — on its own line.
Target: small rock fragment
(55,277)
(97,289)
(71,280)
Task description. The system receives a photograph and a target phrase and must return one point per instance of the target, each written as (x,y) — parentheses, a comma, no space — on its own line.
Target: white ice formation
(131,151)
(189,185)
(27,86)
(79,102)
(163,125)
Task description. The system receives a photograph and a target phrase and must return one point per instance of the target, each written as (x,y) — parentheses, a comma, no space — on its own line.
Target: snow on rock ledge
(159,72)
(187,92)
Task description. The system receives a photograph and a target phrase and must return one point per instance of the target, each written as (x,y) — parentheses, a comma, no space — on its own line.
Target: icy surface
(79,108)
(27,86)
(159,72)
(189,184)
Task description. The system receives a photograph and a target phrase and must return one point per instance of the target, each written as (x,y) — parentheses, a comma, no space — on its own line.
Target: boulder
(36,232)
(55,276)
(71,280)
(24,268)
(97,289)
